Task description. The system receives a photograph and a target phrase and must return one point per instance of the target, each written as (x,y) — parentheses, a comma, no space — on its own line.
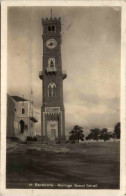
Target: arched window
(51,29)
(52,89)
(23,111)
(51,63)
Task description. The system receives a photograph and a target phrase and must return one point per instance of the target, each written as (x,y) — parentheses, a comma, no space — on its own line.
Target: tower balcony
(51,69)
(41,75)
(64,74)
(34,119)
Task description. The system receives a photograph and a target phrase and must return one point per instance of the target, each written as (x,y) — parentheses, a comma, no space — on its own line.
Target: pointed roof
(18,99)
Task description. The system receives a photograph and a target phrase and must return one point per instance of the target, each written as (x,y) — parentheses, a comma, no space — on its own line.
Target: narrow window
(53,28)
(52,89)
(51,63)
(23,111)
(49,29)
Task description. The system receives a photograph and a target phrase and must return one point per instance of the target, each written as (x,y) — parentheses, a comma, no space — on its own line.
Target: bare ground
(87,163)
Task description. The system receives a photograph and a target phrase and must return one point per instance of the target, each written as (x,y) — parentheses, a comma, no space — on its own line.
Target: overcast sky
(90,55)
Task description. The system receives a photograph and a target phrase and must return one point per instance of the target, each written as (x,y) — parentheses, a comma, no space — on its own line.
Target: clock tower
(52,110)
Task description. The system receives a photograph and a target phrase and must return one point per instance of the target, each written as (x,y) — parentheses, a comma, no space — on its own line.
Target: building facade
(52,111)
(20,120)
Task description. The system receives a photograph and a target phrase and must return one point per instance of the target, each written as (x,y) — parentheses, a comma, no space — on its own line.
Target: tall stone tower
(52,111)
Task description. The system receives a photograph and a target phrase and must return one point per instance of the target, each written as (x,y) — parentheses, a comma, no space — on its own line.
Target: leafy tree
(76,134)
(111,135)
(104,134)
(89,137)
(35,138)
(94,134)
(117,130)
(29,138)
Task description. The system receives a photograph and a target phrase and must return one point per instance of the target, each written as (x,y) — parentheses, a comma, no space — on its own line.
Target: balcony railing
(64,74)
(33,118)
(41,75)
(51,69)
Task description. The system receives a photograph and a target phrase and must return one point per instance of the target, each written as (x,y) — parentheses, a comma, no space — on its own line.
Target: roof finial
(51,13)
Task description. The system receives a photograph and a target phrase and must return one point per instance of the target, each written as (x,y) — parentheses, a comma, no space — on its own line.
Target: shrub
(29,138)
(35,138)
(72,141)
(57,142)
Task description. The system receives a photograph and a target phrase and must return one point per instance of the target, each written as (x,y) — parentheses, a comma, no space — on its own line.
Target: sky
(90,56)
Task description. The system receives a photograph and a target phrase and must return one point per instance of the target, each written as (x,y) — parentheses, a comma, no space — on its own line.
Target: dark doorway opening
(22,126)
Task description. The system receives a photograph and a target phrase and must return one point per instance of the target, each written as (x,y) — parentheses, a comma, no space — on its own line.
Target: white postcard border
(65,192)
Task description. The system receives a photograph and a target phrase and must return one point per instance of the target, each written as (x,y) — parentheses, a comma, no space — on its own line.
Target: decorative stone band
(52,109)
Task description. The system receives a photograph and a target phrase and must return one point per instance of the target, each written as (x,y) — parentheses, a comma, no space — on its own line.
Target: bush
(15,139)
(73,142)
(35,138)
(29,138)
(57,142)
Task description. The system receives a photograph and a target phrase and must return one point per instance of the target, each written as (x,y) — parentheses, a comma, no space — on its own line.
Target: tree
(117,130)
(89,137)
(111,135)
(104,134)
(94,134)
(76,134)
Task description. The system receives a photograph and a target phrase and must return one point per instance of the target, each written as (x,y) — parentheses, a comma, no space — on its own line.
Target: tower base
(53,124)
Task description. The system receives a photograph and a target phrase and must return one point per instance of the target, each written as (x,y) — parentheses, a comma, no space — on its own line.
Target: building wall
(17,130)
(19,116)
(10,116)
(55,77)
(22,105)
(16,116)
(32,131)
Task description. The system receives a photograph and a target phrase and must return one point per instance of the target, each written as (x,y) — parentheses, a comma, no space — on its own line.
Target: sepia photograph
(63,95)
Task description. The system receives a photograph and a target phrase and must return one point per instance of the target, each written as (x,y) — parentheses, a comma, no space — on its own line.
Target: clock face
(51,43)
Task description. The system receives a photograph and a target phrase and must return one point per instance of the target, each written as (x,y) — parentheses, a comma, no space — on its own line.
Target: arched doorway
(22,126)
